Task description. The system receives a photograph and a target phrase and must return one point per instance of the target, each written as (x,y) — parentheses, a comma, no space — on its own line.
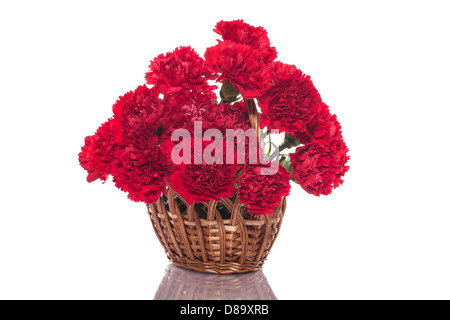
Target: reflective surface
(181,284)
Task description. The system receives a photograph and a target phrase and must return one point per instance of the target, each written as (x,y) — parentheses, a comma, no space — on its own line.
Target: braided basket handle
(253,115)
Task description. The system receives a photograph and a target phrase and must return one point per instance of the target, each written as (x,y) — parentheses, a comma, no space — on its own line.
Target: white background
(382,66)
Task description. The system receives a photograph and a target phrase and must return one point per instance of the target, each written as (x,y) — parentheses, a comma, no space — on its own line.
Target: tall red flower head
(141,171)
(180,70)
(241,65)
(137,115)
(323,128)
(235,116)
(261,193)
(320,168)
(223,118)
(97,153)
(200,172)
(203,182)
(139,168)
(256,37)
(102,150)
(211,115)
(291,102)
(186,112)
(83,158)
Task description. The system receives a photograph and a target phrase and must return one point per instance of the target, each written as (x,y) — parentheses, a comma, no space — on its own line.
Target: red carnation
(256,37)
(291,102)
(241,65)
(97,153)
(235,116)
(184,114)
(183,69)
(203,182)
(260,193)
(323,128)
(213,116)
(221,117)
(185,97)
(137,115)
(83,157)
(102,150)
(141,170)
(320,168)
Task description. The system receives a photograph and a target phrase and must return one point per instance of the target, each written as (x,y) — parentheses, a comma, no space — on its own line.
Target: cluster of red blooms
(134,145)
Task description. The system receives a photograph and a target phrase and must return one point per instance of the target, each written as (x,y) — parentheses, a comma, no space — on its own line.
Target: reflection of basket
(216,236)
(179,284)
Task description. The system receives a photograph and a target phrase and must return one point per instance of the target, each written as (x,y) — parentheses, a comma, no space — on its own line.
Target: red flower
(203,182)
(83,157)
(241,65)
(212,116)
(235,116)
(291,102)
(102,150)
(141,170)
(260,193)
(320,168)
(137,115)
(185,113)
(201,178)
(323,128)
(97,153)
(256,37)
(182,69)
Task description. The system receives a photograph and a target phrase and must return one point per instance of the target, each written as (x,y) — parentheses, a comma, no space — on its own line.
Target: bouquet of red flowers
(175,132)
(133,145)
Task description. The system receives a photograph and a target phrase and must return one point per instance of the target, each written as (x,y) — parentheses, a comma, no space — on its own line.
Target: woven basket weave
(217,236)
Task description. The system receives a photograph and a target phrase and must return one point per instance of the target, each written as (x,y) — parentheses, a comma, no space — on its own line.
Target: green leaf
(289,142)
(228,93)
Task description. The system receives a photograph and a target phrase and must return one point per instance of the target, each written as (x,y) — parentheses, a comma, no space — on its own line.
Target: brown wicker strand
(279,212)
(171,235)
(235,212)
(156,226)
(244,239)
(266,238)
(221,237)
(199,231)
(190,213)
(174,208)
(211,210)
(157,223)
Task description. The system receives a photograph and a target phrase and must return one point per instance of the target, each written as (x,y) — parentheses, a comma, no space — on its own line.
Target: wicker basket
(217,236)
(179,284)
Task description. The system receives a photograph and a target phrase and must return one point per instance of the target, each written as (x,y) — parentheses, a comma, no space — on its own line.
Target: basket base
(217,268)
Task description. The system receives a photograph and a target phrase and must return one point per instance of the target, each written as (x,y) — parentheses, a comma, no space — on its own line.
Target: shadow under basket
(216,237)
